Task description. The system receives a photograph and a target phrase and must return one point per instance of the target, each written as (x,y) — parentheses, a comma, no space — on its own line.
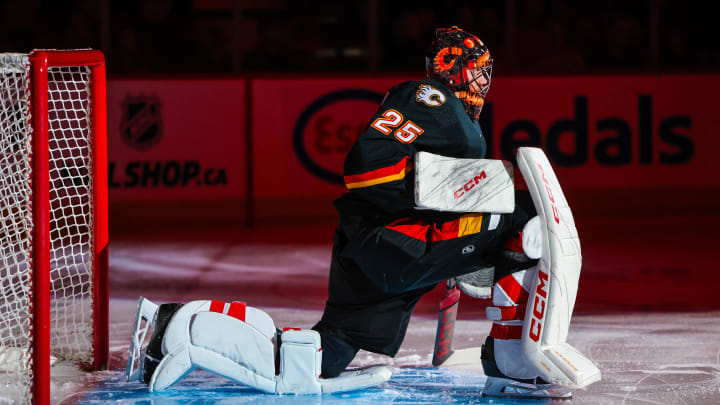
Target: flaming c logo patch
(430,96)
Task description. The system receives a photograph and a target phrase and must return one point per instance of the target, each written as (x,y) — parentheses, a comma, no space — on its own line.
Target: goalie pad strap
(236,309)
(506,313)
(506,331)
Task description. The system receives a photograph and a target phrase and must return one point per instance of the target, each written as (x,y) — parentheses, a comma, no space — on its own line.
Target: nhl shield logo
(141,126)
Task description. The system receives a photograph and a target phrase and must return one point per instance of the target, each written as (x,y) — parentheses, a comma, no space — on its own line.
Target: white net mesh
(71,213)
(15,205)
(71,329)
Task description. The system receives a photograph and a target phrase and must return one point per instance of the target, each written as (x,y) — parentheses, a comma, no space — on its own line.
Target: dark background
(246,36)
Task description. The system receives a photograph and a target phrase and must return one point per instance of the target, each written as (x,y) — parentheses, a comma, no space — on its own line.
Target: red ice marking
(513,289)
(237,310)
(505,332)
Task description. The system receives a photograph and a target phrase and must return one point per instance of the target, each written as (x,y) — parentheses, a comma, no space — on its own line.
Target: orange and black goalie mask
(462,62)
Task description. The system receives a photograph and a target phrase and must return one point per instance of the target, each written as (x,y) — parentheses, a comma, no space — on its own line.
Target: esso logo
(328,127)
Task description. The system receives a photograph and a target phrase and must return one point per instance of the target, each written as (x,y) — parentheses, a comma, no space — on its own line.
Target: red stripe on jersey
(412,228)
(446,231)
(513,289)
(506,332)
(377,173)
(217,306)
(237,310)
(287,329)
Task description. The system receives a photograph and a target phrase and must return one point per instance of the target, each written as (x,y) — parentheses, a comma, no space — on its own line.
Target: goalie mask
(461,61)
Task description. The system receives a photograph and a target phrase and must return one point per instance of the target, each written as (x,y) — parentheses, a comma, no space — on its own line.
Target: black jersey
(387,254)
(415,116)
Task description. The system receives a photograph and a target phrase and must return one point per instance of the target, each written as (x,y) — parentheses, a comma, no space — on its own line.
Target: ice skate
(142,361)
(500,385)
(145,318)
(506,387)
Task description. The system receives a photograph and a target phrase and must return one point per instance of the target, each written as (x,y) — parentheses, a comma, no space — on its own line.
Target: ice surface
(645,357)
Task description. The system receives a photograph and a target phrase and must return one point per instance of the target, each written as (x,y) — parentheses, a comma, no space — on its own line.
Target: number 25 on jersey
(408,132)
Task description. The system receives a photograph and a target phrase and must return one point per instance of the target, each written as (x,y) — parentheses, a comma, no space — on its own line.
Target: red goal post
(62,109)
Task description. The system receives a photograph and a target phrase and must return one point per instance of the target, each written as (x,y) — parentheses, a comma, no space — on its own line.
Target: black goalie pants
(378,274)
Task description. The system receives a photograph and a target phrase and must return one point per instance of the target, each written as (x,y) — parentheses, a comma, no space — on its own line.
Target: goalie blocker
(527,353)
(238,342)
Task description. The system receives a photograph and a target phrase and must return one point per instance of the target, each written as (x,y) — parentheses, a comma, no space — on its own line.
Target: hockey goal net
(53,200)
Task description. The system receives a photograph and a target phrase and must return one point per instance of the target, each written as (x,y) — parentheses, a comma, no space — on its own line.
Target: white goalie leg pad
(356,379)
(223,345)
(237,350)
(553,293)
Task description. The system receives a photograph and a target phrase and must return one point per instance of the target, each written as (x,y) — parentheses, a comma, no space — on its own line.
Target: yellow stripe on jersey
(469,224)
(378,180)
(379,176)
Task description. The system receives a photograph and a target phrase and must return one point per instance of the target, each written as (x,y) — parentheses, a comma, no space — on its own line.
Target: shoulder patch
(430,96)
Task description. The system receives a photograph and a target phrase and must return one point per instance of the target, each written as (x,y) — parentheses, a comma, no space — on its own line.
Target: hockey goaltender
(423,207)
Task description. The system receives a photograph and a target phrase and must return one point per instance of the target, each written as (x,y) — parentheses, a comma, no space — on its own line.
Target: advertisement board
(176,139)
(618,143)
(302,130)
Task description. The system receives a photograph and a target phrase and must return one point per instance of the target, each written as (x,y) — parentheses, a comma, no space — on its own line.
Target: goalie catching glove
(235,341)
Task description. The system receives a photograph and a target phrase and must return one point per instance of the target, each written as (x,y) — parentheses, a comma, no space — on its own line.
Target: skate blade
(145,318)
(506,388)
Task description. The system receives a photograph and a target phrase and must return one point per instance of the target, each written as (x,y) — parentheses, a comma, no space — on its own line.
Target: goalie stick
(446,323)
(443,353)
